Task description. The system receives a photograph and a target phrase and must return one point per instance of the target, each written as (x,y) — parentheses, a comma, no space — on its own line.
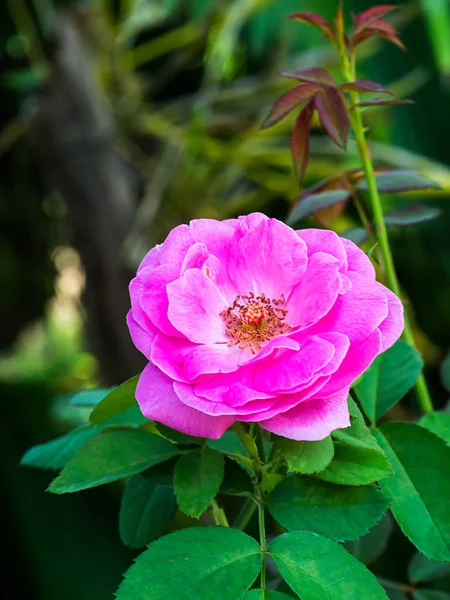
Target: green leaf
(194,564)
(370,546)
(306,457)
(412,214)
(318,568)
(56,453)
(197,478)
(438,423)
(445,372)
(401,181)
(90,398)
(388,379)
(425,594)
(358,434)
(393,589)
(337,511)
(352,465)
(308,205)
(177,437)
(269,595)
(236,480)
(419,486)
(115,402)
(229,442)
(421,568)
(145,512)
(111,456)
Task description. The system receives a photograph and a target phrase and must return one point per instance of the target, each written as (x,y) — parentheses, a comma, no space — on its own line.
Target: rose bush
(249,320)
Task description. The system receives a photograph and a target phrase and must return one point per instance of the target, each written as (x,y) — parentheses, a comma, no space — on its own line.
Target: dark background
(120,120)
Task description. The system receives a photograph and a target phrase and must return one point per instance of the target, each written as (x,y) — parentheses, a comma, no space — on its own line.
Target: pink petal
(152,259)
(141,339)
(214,234)
(195,304)
(294,369)
(392,327)
(184,361)
(312,420)
(175,247)
(315,295)
(271,260)
(358,260)
(153,300)
(137,288)
(356,361)
(285,402)
(357,313)
(324,240)
(275,345)
(233,389)
(186,393)
(159,402)
(195,257)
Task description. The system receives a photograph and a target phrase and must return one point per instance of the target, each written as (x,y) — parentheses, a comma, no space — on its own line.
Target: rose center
(253,320)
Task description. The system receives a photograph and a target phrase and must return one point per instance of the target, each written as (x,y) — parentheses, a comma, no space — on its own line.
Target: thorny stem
(349,72)
(263,544)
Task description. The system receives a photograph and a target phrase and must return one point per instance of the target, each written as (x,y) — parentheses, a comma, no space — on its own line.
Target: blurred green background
(121,119)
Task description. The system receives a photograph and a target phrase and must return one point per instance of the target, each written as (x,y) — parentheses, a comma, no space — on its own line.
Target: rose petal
(357,313)
(358,260)
(195,305)
(187,395)
(195,257)
(184,361)
(141,339)
(315,295)
(312,420)
(294,369)
(324,240)
(356,361)
(175,247)
(153,299)
(152,259)
(271,259)
(158,401)
(214,234)
(392,327)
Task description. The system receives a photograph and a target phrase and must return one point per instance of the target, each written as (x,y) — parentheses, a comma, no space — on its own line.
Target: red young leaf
(365,85)
(333,115)
(314,20)
(288,101)
(376,12)
(300,141)
(383,101)
(313,75)
(381,29)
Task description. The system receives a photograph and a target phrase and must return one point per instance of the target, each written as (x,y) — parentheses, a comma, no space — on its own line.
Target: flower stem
(219,515)
(245,514)
(263,544)
(248,440)
(349,72)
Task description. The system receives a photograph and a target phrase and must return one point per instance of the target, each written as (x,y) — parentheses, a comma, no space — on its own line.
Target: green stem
(348,68)
(263,544)
(245,514)
(247,441)
(219,515)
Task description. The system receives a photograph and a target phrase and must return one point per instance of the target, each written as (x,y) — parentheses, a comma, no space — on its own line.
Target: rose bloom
(249,320)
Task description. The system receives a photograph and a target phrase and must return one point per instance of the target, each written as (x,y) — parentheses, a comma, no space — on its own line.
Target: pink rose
(249,320)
